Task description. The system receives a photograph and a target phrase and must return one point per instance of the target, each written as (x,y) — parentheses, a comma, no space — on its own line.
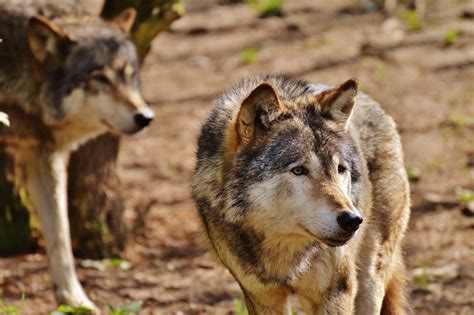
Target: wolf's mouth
(338,241)
(333,242)
(306,230)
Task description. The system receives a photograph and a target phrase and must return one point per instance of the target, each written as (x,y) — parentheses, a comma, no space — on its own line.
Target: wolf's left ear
(125,19)
(257,112)
(339,102)
(44,38)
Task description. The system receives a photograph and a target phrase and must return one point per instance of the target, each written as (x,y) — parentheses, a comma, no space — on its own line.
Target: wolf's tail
(395,301)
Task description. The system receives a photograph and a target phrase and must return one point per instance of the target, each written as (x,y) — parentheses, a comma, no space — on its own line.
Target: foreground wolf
(65,77)
(302,190)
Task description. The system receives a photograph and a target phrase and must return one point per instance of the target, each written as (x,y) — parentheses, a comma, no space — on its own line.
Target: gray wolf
(302,190)
(65,77)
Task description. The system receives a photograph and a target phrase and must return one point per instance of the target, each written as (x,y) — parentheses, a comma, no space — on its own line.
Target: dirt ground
(424,83)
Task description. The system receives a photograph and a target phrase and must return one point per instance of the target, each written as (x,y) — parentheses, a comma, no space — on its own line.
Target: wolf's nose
(143,120)
(349,221)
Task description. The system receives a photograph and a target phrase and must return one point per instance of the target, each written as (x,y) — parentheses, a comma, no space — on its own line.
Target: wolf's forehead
(100,52)
(292,141)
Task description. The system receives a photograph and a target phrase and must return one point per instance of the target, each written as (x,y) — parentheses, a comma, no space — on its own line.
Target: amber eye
(341,169)
(299,170)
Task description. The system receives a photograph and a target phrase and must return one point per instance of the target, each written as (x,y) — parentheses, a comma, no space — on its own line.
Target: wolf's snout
(144,119)
(349,221)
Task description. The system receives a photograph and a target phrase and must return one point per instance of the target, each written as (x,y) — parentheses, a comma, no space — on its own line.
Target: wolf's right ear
(125,20)
(44,38)
(257,112)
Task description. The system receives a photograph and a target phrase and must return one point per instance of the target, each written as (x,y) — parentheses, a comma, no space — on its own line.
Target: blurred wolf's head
(291,167)
(88,72)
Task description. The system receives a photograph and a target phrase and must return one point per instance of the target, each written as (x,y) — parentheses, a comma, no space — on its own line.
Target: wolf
(302,190)
(65,77)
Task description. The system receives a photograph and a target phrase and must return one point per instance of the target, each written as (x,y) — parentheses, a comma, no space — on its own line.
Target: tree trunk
(95,203)
(16,231)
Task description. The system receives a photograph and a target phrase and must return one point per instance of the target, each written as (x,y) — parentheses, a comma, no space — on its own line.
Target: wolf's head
(294,165)
(87,71)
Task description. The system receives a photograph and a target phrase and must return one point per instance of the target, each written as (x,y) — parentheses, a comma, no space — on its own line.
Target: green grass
(412,20)
(131,308)
(450,37)
(120,263)
(102,265)
(126,309)
(11,309)
(71,310)
(465,195)
(239,307)
(266,8)
(460,121)
(421,281)
(414,174)
(249,54)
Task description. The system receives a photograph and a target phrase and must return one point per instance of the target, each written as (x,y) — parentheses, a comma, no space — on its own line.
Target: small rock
(468,209)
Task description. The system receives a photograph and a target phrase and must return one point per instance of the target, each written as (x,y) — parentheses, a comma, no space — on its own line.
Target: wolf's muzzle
(349,221)
(143,119)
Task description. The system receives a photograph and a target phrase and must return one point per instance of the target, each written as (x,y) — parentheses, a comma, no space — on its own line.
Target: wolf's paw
(76,298)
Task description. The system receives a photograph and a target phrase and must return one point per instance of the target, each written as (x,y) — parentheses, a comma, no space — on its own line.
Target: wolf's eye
(341,169)
(101,78)
(299,170)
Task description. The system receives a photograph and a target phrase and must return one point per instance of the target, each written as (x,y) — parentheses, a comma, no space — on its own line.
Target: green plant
(450,37)
(126,309)
(266,8)
(239,307)
(421,280)
(122,264)
(465,195)
(249,54)
(11,309)
(412,20)
(71,310)
(460,121)
(414,174)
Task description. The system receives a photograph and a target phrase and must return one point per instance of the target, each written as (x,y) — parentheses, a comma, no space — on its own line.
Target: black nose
(349,221)
(142,120)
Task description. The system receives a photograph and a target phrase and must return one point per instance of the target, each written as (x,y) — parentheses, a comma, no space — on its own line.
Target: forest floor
(424,78)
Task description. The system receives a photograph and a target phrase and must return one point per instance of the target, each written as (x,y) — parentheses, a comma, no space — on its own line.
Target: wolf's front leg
(267,302)
(46,185)
(339,300)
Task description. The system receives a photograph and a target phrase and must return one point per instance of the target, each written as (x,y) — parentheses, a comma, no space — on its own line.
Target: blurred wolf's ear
(44,38)
(125,19)
(337,104)
(257,112)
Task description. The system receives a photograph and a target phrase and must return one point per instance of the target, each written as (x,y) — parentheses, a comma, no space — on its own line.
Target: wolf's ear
(339,102)
(125,19)
(44,38)
(257,112)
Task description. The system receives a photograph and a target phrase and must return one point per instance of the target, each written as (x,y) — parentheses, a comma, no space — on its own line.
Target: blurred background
(414,57)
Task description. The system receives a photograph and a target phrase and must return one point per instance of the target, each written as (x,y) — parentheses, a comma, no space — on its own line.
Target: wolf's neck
(17,87)
(287,257)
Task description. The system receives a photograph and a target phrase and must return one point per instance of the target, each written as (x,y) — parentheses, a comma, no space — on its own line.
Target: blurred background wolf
(65,77)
